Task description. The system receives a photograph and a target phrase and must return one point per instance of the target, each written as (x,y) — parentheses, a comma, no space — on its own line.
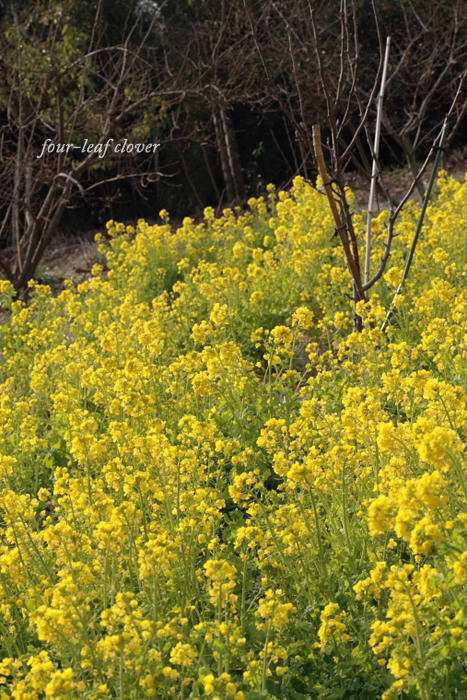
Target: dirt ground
(69,257)
(397,181)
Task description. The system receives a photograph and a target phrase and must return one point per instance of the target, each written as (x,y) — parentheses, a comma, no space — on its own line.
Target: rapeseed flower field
(211,486)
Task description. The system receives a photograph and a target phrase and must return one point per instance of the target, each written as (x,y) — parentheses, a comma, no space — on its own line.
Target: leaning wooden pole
(341,228)
(374,169)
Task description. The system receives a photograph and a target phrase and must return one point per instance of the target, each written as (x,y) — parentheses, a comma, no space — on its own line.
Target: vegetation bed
(213,487)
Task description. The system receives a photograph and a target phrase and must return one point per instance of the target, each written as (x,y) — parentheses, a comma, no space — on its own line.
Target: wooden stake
(341,228)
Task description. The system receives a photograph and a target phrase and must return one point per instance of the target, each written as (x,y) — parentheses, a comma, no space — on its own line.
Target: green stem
(243,597)
(318,533)
(376,463)
(344,511)
(425,695)
(265,658)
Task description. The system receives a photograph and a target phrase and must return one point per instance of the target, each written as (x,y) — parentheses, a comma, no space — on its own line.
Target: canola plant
(211,486)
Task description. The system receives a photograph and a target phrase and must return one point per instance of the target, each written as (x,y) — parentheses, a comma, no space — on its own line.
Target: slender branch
(410,256)
(395,213)
(330,107)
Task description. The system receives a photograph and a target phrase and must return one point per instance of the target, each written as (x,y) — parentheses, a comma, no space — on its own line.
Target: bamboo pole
(374,169)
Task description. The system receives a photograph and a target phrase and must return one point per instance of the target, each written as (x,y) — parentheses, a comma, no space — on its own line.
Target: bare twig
(411,253)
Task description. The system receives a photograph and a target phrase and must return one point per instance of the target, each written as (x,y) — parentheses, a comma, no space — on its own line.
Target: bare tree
(66,105)
(334,84)
(209,49)
(429,54)
(335,122)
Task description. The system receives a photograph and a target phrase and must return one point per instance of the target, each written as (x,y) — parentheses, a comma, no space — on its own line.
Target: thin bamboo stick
(374,169)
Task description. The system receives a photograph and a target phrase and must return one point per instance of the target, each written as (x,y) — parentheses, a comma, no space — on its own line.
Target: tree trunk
(230,159)
(233,156)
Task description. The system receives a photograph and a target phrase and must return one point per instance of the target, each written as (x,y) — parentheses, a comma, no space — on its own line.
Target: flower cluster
(211,487)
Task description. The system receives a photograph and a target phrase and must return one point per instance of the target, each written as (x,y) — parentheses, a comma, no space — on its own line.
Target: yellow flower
(208,682)
(282,335)
(273,611)
(380,515)
(183,654)
(434,446)
(303,318)
(332,626)
(219,314)
(222,580)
